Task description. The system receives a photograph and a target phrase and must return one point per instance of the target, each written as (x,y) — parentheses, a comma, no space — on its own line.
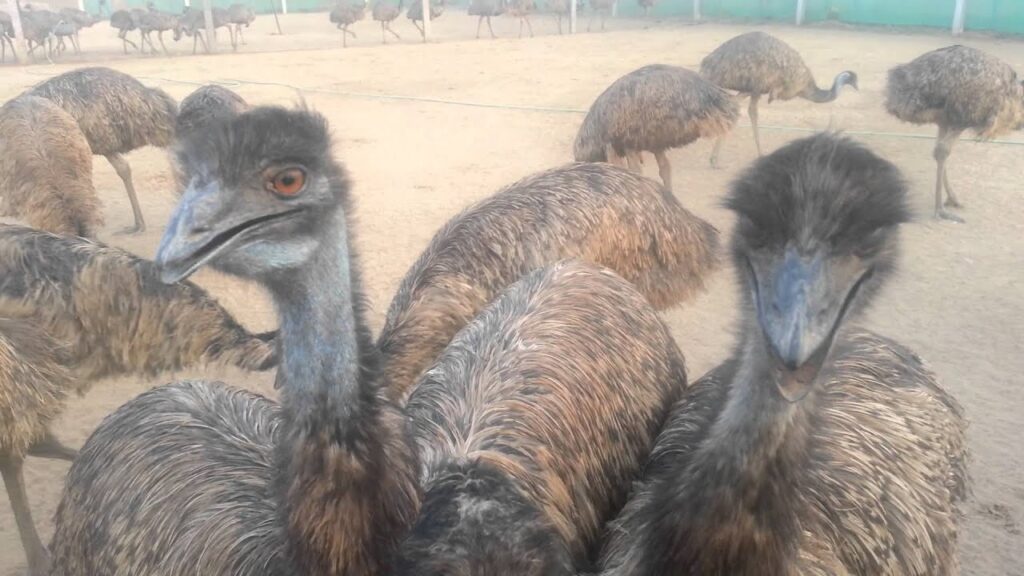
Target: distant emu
(345,14)
(655,108)
(117,114)
(595,212)
(959,88)
(817,448)
(240,16)
(755,64)
(415,14)
(485,9)
(46,169)
(385,12)
(75,312)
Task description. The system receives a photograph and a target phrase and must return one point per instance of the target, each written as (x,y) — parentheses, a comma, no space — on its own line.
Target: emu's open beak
(799,311)
(205,224)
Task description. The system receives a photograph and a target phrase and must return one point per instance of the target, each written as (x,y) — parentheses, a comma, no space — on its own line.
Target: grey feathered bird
(757,64)
(959,88)
(817,449)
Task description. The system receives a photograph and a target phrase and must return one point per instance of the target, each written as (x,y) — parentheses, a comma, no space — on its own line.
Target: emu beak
(205,224)
(799,318)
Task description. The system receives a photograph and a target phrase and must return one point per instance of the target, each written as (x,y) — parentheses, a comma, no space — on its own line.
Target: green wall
(1005,16)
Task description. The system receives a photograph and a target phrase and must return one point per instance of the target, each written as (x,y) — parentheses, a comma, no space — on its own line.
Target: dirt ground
(957,300)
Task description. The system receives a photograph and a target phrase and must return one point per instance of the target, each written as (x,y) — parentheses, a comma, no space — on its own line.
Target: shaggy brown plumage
(485,9)
(595,212)
(655,108)
(959,88)
(533,422)
(797,456)
(37,27)
(192,23)
(240,16)
(46,169)
(385,12)
(755,64)
(124,22)
(153,20)
(415,14)
(33,384)
(345,14)
(117,114)
(196,478)
(100,313)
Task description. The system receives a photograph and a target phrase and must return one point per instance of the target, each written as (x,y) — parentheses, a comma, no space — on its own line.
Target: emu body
(756,64)
(117,114)
(654,108)
(98,312)
(386,12)
(484,10)
(46,169)
(329,474)
(595,212)
(818,448)
(347,13)
(958,88)
(532,423)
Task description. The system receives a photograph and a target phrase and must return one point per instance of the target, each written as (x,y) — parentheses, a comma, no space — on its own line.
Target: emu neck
(816,94)
(320,360)
(741,497)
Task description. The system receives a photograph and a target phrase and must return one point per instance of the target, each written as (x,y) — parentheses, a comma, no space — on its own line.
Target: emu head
(589,145)
(846,78)
(816,235)
(262,188)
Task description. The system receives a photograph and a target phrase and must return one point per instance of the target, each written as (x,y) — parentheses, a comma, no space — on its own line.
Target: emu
(602,8)
(415,14)
(240,16)
(485,9)
(124,22)
(385,12)
(347,13)
(654,108)
(46,169)
(755,64)
(283,220)
(117,114)
(74,312)
(959,88)
(594,212)
(817,448)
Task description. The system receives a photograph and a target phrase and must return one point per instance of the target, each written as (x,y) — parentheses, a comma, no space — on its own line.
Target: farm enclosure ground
(958,299)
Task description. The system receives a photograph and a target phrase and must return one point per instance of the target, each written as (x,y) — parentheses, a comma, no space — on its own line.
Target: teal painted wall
(1005,16)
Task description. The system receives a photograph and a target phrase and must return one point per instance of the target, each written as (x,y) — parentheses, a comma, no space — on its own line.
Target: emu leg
(943,147)
(612,156)
(560,23)
(160,37)
(74,43)
(125,172)
(393,33)
(383,34)
(489,27)
(479,22)
(951,200)
(604,18)
(664,169)
(591,21)
(50,447)
(14,480)
(420,30)
(529,26)
(752,112)
(344,37)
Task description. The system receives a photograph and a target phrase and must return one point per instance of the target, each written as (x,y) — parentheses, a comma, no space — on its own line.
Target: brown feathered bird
(484,10)
(117,114)
(385,12)
(817,449)
(152,20)
(240,16)
(345,14)
(192,23)
(533,423)
(260,499)
(655,108)
(46,169)
(757,64)
(959,88)
(521,10)
(415,14)
(198,478)
(602,8)
(595,212)
(73,312)
(123,22)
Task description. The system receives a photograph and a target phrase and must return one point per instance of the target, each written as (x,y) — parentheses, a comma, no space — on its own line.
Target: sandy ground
(957,299)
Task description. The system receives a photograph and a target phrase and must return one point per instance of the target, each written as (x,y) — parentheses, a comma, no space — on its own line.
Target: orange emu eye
(288,182)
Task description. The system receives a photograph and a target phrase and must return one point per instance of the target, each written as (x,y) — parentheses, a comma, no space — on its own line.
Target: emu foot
(944,215)
(953,203)
(131,230)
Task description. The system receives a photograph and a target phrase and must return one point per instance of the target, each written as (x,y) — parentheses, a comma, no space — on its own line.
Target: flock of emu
(524,410)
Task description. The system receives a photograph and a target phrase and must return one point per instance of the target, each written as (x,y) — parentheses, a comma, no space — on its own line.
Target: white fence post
(211,32)
(284,6)
(696,10)
(801,10)
(959,14)
(572,16)
(426,20)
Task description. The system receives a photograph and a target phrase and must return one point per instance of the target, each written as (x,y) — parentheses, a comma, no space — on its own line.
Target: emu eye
(288,182)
